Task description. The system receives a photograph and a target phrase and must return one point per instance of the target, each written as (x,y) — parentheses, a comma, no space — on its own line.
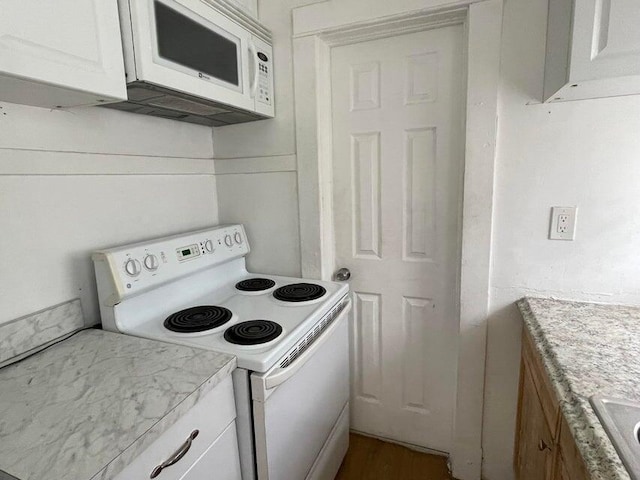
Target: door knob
(343,275)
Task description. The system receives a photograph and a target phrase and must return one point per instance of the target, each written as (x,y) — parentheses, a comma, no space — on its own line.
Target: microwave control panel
(264,93)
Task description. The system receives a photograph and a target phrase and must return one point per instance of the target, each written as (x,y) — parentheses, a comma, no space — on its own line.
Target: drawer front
(220,461)
(550,405)
(211,416)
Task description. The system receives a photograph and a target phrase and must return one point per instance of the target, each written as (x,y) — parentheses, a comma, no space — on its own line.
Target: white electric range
(290,337)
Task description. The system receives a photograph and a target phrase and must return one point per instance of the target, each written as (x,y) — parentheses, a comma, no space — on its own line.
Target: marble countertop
(84,408)
(588,349)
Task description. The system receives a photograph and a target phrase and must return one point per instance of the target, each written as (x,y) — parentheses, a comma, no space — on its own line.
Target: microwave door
(189,46)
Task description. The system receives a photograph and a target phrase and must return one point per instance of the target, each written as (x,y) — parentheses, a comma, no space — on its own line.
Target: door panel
(398,148)
(366,190)
(366,349)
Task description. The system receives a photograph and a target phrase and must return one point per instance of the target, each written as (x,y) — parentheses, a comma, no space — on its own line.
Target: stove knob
(238,237)
(150,262)
(228,240)
(132,267)
(208,246)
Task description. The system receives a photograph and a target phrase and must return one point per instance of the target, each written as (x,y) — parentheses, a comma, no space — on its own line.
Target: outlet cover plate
(563,223)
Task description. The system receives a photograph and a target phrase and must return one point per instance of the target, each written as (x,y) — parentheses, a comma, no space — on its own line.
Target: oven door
(188,46)
(296,408)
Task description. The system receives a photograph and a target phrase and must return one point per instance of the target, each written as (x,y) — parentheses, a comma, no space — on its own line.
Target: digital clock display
(187,253)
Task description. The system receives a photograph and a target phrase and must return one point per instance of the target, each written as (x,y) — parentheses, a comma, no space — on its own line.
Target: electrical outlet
(563,223)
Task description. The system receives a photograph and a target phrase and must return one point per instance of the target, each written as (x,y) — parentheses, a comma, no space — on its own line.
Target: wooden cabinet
(534,457)
(61,54)
(545,449)
(593,49)
(569,463)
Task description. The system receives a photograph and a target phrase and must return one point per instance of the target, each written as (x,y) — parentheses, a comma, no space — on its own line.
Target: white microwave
(198,61)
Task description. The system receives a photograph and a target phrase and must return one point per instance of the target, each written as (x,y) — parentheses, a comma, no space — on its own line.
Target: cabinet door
(62,53)
(534,457)
(606,39)
(569,464)
(561,470)
(593,49)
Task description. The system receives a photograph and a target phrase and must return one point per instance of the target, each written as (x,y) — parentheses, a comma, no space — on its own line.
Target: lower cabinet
(545,449)
(201,445)
(570,465)
(534,456)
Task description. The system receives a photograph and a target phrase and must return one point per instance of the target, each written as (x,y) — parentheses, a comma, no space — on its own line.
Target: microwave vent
(183,105)
(147,99)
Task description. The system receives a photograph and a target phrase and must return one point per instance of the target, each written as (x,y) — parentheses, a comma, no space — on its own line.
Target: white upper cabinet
(61,53)
(593,49)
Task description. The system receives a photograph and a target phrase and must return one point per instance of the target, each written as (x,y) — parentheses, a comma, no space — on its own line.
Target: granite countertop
(85,407)
(587,349)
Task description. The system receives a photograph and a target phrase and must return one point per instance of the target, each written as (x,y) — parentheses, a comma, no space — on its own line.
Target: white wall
(266,203)
(266,153)
(584,153)
(78,180)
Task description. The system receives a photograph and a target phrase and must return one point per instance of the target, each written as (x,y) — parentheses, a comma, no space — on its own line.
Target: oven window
(192,45)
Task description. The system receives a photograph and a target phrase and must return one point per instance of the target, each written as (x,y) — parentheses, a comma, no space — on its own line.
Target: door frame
(482,22)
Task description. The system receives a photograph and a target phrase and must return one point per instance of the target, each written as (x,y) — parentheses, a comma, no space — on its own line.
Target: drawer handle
(177,455)
(543,446)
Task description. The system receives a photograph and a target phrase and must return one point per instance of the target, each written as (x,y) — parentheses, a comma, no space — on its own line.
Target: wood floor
(372,459)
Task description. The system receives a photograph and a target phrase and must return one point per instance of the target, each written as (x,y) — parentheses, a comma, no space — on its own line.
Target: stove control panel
(131,269)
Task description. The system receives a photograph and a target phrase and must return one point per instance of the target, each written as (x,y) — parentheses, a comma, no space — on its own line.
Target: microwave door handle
(254,61)
(280,375)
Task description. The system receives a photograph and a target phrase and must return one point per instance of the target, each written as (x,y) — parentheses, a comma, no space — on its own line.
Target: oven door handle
(280,375)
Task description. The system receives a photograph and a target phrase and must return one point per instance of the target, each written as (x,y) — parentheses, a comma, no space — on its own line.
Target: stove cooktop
(146,285)
(293,318)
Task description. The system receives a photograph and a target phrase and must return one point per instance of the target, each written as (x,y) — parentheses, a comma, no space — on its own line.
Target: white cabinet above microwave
(593,49)
(199,61)
(62,53)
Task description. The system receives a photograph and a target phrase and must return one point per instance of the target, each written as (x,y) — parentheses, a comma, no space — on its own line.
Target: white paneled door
(398,161)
